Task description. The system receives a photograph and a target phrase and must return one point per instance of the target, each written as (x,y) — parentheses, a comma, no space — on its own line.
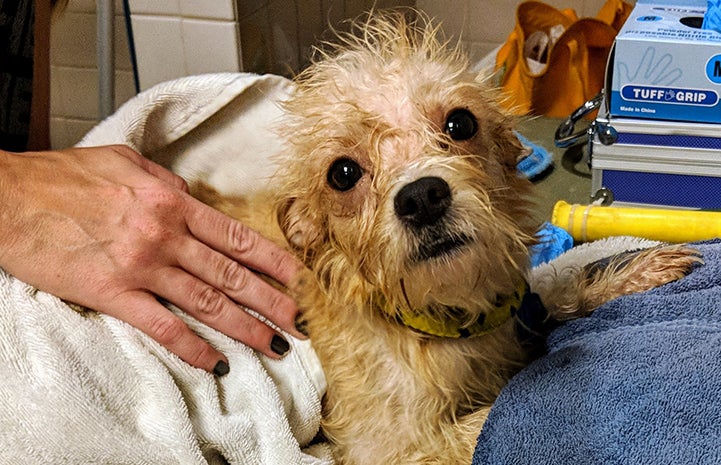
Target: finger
(240,284)
(144,312)
(151,167)
(241,243)
(211,307)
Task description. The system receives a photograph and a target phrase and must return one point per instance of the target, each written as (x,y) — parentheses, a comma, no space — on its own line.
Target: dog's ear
(301,228)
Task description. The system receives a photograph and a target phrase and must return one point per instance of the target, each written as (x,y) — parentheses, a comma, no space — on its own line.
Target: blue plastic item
(535,163)
(552,242)
(712,17)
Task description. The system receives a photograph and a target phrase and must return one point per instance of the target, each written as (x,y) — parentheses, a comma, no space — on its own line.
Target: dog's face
(403,181)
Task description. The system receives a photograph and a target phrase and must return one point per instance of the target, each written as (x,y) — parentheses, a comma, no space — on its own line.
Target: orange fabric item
(614,13)
(571,57)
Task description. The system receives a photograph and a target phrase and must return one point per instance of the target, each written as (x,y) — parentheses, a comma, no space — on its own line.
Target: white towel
(78,387)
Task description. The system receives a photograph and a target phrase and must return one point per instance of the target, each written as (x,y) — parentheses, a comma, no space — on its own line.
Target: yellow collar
(503,310)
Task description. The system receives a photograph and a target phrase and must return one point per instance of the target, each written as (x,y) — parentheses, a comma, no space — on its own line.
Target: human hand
(105,228)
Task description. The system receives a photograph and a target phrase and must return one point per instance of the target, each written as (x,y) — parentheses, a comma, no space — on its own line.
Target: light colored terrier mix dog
(402,198)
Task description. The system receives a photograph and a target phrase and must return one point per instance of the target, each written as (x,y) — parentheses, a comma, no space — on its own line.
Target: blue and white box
(665,66)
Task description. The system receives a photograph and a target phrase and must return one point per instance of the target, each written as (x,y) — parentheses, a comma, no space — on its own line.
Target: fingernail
(301,325)
(221,368)
(279,345)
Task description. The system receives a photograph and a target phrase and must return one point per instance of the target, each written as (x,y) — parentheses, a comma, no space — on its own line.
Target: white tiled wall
(277,35)
(179,37)
(175,38)
(74,74)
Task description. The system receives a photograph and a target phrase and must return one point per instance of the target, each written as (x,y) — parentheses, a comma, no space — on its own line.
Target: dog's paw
(670,263)
(638,271)
(623,274)
(641,270)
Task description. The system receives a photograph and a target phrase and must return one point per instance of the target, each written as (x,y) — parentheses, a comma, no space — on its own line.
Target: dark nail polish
(279,345)
(301,325)
(221,368)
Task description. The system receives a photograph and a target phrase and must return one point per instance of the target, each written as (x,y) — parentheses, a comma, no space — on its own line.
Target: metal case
(642,162)
(662,163)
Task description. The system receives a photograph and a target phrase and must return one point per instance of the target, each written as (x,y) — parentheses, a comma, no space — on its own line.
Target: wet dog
(400,193)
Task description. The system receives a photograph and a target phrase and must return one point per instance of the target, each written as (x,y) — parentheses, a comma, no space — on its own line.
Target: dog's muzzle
(421,206)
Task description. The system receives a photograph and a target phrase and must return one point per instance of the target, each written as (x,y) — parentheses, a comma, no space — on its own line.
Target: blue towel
(637,382)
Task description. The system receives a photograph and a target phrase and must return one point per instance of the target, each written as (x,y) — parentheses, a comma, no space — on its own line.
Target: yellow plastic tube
(592,222)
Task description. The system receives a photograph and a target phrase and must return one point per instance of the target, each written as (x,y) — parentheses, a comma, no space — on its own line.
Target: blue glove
(712,18)
(552,242)
(537,162)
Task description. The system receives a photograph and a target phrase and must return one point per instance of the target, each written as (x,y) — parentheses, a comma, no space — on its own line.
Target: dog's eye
(461,125)
(343,174)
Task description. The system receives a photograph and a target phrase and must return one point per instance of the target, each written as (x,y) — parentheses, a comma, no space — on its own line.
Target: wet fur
(381,97)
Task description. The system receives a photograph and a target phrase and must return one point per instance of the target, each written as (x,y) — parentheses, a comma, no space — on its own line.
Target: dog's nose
(423,201)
